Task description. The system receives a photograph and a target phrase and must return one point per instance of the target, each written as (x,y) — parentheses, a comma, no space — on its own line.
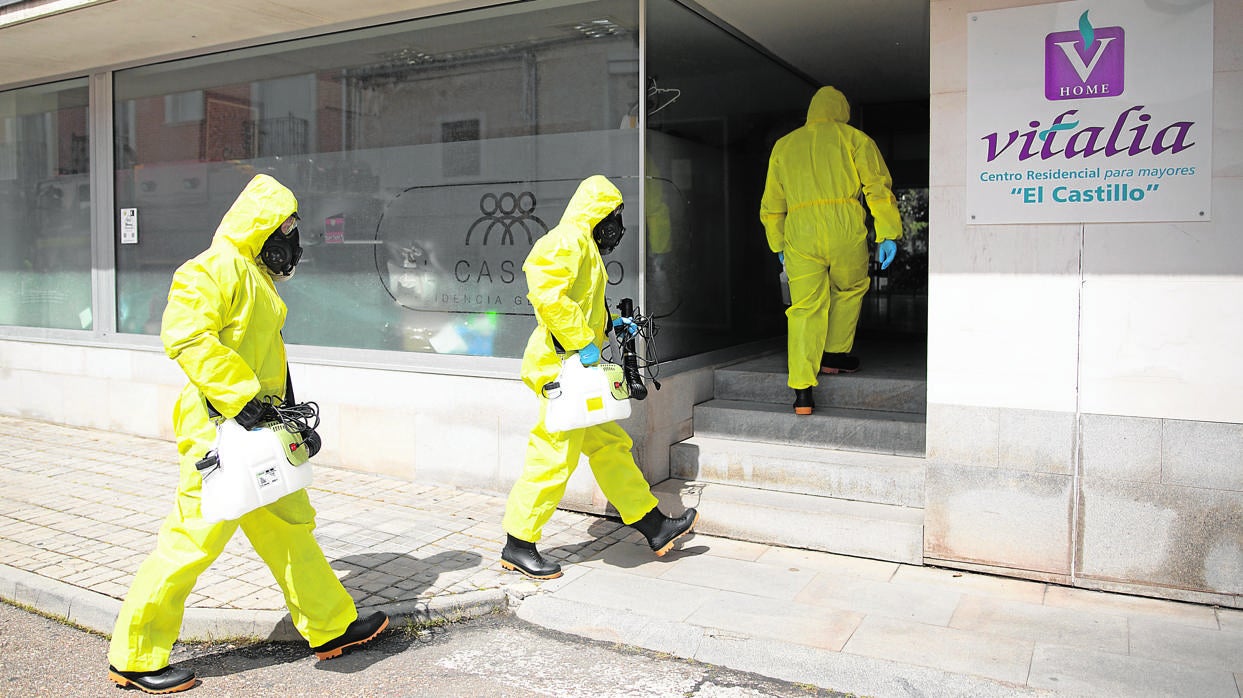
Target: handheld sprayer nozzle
(630,359)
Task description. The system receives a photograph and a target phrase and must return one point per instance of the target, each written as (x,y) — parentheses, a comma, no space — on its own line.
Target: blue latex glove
(885,253)
(781,257)
(589,355)
(625,324)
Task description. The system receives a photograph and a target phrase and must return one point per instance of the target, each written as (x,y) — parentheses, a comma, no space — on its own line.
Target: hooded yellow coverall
(566,281)
(222,326)
(811,212)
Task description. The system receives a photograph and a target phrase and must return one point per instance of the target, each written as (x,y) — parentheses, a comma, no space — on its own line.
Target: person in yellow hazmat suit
(222,325)
(815,223)
(566,281)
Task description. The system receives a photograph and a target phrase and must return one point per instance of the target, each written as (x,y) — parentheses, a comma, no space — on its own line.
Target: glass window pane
(715,106)
(427,156)
(45,207)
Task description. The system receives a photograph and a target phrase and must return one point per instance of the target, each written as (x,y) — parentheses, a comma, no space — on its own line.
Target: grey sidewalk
(79,509)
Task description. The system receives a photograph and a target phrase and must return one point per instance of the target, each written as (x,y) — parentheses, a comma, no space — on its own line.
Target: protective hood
(595,198)
(828,105)
(260,209)
(223,319)
(566,282)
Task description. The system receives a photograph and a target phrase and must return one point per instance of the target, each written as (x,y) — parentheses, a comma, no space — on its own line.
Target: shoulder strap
(289,399)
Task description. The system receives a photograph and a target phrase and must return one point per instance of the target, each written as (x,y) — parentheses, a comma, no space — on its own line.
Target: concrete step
(864,477)
(861,529)
(872,431)
(893,382)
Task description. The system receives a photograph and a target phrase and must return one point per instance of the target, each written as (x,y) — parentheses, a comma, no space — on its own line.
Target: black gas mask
(609,231)
(281,252)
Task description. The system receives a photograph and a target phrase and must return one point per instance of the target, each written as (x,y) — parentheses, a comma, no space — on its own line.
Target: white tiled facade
(1083,399)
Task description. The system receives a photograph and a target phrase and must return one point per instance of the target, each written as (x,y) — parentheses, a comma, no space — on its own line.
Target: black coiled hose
(633,366)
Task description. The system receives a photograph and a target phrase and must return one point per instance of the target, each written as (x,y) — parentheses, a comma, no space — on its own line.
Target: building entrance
(849,477)
(897,302)
(716,103)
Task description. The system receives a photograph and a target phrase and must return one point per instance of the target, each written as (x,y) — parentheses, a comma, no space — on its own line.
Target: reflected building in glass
(45,206)
(428,156)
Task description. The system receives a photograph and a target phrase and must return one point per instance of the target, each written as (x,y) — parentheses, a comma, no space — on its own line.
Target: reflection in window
(183,106)
(462,159)
(426,156)
(45,202)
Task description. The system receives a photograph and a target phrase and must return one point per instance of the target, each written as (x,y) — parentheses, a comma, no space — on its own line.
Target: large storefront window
(45,207)
(715,106)
(426,156)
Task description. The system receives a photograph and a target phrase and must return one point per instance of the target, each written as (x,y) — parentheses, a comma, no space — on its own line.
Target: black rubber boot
(803,401)
(661,531)
(838,363)
(521,556)
(166,680)
(360,631)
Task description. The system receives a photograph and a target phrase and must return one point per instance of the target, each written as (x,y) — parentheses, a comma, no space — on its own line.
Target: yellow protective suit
(811,212)
(566,281)
(222,326)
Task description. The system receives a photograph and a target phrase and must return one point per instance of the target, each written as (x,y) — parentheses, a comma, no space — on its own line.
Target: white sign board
(1090,111)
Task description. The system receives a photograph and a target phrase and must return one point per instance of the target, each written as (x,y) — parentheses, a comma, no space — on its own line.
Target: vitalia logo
(1084,64)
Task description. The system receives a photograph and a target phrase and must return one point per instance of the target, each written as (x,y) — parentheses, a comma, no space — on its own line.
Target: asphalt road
(489,657)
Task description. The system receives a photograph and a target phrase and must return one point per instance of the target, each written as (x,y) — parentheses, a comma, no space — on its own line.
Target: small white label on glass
(129,226)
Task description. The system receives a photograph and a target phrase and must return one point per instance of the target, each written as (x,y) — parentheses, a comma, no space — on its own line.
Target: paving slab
(647,596)
(864,676)
(1077,671)
(1213,649)
(1159,609)
(612,625)
(1043,624)
(636,559)
(815,560)
(979,654)
(922,604)
(1230,619)
(741,576)
(734,549)
(758,616)
(965,583)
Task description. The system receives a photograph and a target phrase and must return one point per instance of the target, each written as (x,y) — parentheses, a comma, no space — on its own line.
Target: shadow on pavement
(373,578)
